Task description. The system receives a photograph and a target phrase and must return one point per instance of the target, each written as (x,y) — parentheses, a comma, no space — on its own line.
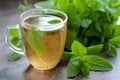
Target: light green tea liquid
(53,38)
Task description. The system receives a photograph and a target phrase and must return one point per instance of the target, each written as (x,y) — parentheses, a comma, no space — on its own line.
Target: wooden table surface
(21,69)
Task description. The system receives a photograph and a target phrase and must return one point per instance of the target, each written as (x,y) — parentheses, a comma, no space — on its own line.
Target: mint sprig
(81,62)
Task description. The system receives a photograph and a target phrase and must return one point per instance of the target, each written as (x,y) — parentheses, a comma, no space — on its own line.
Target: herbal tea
(44,40)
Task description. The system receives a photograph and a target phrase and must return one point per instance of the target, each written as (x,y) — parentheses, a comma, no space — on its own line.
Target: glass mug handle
(8,41)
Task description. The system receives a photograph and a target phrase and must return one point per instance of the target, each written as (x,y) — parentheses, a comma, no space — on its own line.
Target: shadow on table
(57,73)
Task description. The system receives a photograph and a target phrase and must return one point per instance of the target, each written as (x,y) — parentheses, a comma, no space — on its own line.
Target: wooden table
(21,70)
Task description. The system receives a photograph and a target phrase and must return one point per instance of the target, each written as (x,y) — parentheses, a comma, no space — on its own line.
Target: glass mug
(43,34)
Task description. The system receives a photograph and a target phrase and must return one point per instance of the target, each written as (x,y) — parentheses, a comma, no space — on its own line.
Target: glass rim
(40,9)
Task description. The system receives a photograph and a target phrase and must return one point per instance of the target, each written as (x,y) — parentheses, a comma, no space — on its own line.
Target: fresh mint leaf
(63,6)
(78,48)
(36,43)
(22,7)
(15,40)
(15,37)
(103,2)
(112,51)
(13,32)
(86,23)
(69,40)
(13,57)
(44,4)
(117,31)
(85,68)
(25,6)
(81,6)
(99,64)
(74,20)
(107,30)
(94,50)
(55,21)
(67,55)
(115,41)
(98,27)
(73,67)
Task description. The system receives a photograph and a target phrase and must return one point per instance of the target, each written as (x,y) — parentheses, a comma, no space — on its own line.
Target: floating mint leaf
(36,42)
(55,21)
(13,57)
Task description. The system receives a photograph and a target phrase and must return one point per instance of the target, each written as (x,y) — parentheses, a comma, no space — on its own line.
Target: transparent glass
(43,34)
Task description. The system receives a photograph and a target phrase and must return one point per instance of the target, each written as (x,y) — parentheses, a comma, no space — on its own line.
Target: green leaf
(69,40)
(55,21)
(74,20)
(98,27)
(115,41)
(78,48)
(81,6)
(73,67)
(15,37)
(117,31)
(36,42)
(44,4)
(15,40)
(107,30)
(112,51)
(67,55)
(25,7)
(13,32)
(86,23)
(13,57)
(99,64)
(94,50)
(63,6)
(85,68)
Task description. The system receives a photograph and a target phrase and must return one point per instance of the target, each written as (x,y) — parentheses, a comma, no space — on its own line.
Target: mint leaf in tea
(54,21)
